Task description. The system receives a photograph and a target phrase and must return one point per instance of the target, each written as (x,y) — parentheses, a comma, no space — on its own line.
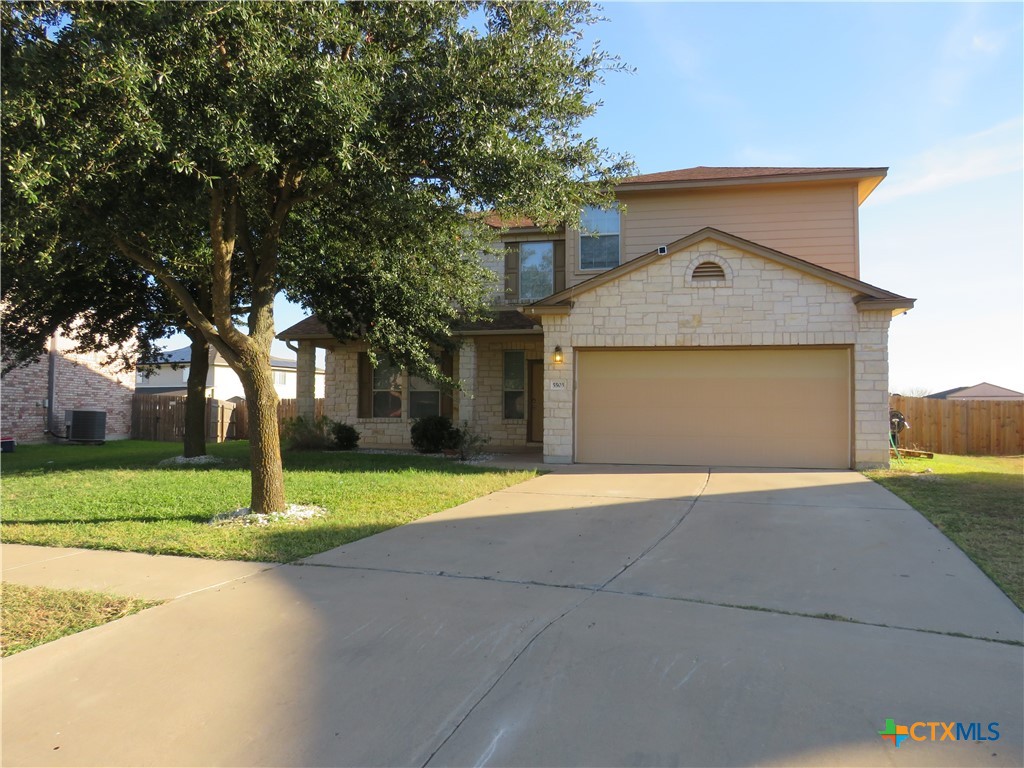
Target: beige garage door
(739,408)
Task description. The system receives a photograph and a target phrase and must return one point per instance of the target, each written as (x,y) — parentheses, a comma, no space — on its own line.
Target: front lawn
(32,616)
(977,501)
(113,496)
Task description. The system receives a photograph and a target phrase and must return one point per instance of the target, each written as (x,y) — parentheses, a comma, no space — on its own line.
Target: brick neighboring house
(80,381)
(716,317)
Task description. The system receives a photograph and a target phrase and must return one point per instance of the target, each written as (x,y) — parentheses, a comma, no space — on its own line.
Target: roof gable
(982,391)
(869,296)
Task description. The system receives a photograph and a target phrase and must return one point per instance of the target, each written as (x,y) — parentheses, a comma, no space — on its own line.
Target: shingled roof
(718,173)
(504,321)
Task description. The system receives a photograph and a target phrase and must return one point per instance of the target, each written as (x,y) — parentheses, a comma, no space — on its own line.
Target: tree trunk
(264,438)
(195,400)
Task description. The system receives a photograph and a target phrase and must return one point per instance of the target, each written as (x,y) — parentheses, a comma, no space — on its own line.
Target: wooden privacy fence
(962,427)
(162,417)
(286,409)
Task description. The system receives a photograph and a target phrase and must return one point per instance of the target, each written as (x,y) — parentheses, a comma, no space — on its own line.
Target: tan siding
(817,223)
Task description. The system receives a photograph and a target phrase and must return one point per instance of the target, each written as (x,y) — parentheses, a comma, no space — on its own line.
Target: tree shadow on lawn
(81,520)
(42,460)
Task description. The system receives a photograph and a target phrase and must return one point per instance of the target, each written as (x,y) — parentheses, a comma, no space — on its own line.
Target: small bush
(470,442)
(433,433)
(298,434)
(346,437)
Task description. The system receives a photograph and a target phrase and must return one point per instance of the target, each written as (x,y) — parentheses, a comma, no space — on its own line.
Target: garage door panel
(780,407)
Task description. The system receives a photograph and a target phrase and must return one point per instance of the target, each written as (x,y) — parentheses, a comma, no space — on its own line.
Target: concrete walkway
(593,616)
(154,577)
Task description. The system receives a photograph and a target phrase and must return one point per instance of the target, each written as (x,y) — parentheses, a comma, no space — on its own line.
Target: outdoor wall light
(558,356)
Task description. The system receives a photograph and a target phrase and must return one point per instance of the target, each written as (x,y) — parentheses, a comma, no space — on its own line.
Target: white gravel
(296,513)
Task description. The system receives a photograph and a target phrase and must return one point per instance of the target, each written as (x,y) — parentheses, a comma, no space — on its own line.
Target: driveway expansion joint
(503,672)
(817,616)
(448,575)
(592,496)
(726,500)
(693,503)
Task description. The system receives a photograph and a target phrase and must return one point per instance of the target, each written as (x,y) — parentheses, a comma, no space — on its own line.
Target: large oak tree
(336,152)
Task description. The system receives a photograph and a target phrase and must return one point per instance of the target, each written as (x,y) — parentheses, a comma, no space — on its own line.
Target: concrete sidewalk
(588,617)
(154,577)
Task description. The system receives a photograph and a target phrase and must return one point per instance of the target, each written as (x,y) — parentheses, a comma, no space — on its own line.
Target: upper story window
(533,270)
(536,270)
(599,238)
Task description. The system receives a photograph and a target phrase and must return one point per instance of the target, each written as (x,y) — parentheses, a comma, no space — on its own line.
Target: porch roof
(501,321)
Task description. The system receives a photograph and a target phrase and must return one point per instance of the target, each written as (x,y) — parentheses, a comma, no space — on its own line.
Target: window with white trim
(599,238)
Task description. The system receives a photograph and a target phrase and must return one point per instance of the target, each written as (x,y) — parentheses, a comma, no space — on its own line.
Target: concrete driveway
(593,616)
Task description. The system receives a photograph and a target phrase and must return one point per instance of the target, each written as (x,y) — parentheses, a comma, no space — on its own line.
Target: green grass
(114,497)
(32,616)
(977,501)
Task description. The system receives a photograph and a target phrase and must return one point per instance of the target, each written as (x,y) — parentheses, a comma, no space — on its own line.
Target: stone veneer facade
(760,303)
(478,365)
(82,381)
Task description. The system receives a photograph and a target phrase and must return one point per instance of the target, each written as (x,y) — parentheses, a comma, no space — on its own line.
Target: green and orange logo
(936,731)
(897,734)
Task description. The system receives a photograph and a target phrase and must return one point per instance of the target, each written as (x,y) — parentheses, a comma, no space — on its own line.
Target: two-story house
(168,375)
(715,316)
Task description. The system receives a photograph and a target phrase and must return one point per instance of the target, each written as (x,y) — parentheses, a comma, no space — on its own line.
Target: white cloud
(992,152)
(968,48)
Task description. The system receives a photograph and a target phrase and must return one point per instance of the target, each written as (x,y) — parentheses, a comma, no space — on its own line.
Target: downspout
(51,384)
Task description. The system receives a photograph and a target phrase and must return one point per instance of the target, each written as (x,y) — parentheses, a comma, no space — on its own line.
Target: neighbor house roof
(871,297)
(502,321)
(183,356)
(983,391)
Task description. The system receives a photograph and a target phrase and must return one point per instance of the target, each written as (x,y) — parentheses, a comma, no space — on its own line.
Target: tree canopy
(336,152)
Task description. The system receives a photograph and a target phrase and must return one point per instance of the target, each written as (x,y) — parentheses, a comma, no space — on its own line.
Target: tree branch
(184,298)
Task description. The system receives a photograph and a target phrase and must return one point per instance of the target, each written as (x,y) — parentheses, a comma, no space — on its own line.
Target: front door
(535,392)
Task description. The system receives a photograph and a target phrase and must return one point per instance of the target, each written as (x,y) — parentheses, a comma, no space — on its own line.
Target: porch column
(467,378)
(305,380)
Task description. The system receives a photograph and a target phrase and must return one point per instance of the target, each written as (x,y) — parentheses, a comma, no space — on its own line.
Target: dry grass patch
(36,615)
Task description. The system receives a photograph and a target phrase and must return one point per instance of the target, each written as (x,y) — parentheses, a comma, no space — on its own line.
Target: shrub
(346,437)
(298,434)
(470,442)
(432,433)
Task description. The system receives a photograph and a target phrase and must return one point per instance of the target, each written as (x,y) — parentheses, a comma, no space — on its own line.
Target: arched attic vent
(708,270)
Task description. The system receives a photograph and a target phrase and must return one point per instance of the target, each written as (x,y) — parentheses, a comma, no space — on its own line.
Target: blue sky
(934,91)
